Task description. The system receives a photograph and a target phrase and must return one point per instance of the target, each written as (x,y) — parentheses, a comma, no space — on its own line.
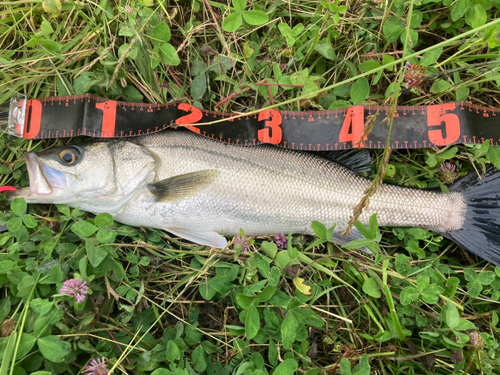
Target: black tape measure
(414,126)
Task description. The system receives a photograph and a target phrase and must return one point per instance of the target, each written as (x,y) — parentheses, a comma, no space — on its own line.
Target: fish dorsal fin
(182,186)
(202,237)
(357,160)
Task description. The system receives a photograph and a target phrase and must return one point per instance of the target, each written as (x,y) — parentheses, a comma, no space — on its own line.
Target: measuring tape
(338,129)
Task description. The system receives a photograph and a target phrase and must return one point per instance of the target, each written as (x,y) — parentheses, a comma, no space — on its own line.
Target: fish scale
(268,190)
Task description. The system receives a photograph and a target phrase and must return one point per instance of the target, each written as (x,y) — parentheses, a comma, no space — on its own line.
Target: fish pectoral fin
(182,186)
(341,240)
(202,237)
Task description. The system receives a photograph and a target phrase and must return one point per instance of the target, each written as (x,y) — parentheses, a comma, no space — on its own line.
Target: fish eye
(69,156)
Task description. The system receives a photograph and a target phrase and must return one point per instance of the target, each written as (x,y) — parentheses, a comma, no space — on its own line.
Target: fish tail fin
(480,233)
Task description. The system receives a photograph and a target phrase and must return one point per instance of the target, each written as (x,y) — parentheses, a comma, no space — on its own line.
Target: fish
(202,190)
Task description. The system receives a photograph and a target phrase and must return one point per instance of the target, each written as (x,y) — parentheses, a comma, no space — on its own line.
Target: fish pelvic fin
(208,238)
(480,233)
(182,186)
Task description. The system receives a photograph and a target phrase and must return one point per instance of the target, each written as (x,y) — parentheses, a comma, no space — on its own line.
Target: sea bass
(201,190)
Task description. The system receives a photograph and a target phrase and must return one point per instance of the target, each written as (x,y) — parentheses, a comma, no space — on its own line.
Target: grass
(159,305)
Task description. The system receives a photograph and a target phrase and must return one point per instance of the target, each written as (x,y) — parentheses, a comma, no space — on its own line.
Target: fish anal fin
(357,160)
(341,240)
(182,186)
(202,237)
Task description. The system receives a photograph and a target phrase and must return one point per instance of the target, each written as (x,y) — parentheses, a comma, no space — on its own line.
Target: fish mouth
(44,181)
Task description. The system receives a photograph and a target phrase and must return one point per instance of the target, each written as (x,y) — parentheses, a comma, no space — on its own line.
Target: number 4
(355,119)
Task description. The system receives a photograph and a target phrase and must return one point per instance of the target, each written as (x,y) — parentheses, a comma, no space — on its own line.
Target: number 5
(436,116)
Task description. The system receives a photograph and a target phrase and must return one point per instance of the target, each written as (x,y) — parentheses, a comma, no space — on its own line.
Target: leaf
(26,344)
(371,287)
(430,57)
(319,229)
(95,253)
(255,17)
(161,33)
(14,224)
(486,278)
(104,220)
(363,367)
(220,284)
(29,221)
(360,91)
(284,29)
(409,295)
(25,286)
(373,227)
(18,206)
(51,45)
(326,50)
(53,348)
(402,264)
(52,6)
(169,55)
(252,322)
(393,27)
(162,371)
(132,94)
(357,244)
(470,274)
(462,93)
(440,86)
(448,154)
(56,274)
(232,22)
(458,10)
(244,301)
(199,86)
(289,329)
(368,65)
(452,318)
(239,5)
(266,294)
(207,292)
(106,235)
(199,358)
(474,289)
(297,30)
(287,367)
(270,248)
(83,229)
(302,286)
(476,16)
(345,367)
(493,155)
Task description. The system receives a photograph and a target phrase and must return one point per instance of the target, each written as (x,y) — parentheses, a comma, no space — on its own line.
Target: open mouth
(43,180)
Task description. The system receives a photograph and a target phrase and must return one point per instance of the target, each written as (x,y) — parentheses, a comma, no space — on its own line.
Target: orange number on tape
(272,133)
(355,119)
(195,115)
(108,109)
(35,118)
(436,115)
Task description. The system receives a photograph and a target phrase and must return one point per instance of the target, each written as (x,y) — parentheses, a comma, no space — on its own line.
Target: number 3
(272,133)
